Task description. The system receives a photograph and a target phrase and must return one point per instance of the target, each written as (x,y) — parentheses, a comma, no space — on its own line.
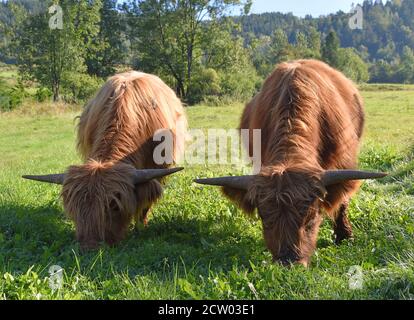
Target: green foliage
(42,94)
(12,15)
(108,48)
(172,38)
(44,54)
(330,50)
(79,87)
(236,78)
(388,28)
(206,82)
(352,65)
(11,98)
(195,47)
(279,49)
(214,88)
(405,73)
(399,70)
(241,84)
(267,52)
(381,71)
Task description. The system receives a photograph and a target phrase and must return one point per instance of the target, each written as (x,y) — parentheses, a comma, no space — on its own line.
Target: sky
(303,7)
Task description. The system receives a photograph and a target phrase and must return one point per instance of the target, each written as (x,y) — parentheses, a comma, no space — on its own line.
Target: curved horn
(145,175)
(337,176)
(241,182)
(50,178)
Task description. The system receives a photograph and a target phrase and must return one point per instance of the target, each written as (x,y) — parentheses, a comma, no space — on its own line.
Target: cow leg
(342,228)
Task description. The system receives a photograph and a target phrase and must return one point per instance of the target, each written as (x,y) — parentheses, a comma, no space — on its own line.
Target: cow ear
(148,193)
(244,199)
(250,204)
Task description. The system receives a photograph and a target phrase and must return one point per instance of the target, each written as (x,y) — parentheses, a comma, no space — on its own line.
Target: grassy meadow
(198,245)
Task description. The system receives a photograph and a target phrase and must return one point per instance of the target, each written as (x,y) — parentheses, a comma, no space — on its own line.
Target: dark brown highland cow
(311,118)
(115,138)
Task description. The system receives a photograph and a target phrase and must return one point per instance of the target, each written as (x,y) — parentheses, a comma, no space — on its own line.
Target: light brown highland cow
(311,118)
(115,139)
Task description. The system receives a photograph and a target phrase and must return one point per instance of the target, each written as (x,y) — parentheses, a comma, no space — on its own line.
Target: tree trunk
(180,89)
(55,90)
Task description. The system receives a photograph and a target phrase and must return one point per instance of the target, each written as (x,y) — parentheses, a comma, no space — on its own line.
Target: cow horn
(241,182)
(50,178)
(337,176)
(145,175)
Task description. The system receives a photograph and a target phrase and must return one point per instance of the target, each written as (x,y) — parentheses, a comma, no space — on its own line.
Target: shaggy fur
(312,119)
(115,137)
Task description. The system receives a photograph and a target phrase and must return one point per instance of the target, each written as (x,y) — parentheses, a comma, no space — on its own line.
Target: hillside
(388,28)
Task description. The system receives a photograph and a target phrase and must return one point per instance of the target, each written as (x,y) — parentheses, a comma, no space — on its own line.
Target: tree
(301,43)
(167,34)
(227,55)
(382,71)
(307,46)
(108,49)
(314,43)
(280,48)
(405,73)
(330,49)
(45,54)
(388,28)
(351,64)
(259,48)
(12,16)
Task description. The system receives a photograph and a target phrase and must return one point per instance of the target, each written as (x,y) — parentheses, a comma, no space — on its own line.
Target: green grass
(9,74)
(197,244)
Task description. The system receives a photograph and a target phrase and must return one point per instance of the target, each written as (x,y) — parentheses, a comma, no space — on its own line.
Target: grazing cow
(311,118)
(115,186)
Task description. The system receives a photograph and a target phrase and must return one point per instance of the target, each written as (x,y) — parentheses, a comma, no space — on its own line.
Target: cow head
(103,198)
(288,206)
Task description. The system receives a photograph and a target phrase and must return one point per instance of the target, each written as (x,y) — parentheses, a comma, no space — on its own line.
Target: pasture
(198,245)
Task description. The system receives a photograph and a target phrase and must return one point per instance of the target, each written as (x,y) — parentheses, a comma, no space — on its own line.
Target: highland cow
(119,181)
(311,118)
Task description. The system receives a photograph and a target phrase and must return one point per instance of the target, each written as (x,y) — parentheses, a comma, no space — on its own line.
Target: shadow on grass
(42,236)
(29,235)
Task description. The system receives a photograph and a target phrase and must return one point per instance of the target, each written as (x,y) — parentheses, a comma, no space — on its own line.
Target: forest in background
(194,45)
(385,43)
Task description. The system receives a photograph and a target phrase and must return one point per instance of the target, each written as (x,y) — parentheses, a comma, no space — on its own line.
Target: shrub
(240,84)
(10,98)
(352,65)
(206,83)
(214,88)
(42,94)
(78,87)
